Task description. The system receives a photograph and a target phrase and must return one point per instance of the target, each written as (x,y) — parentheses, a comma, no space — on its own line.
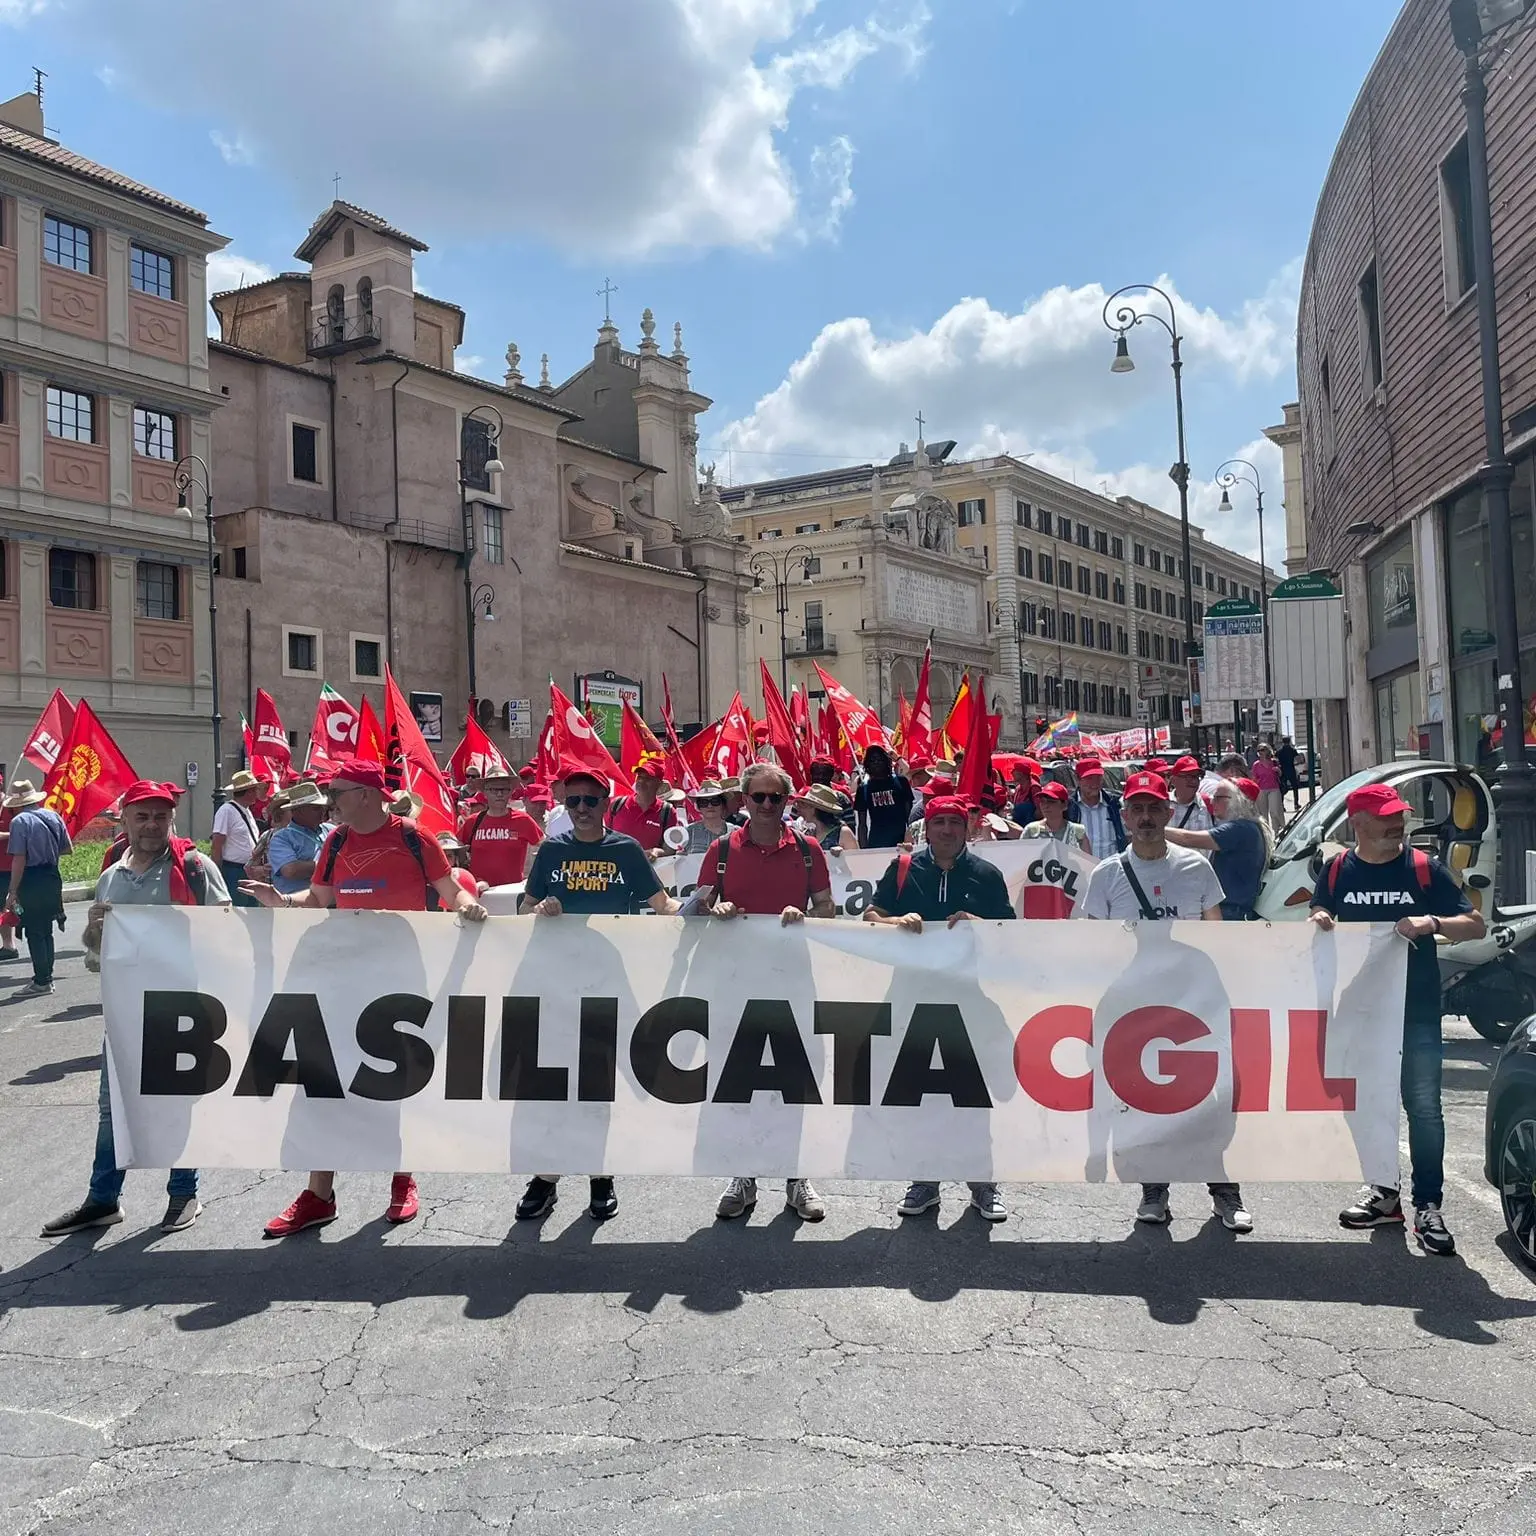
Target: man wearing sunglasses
(766,869)
(586,871)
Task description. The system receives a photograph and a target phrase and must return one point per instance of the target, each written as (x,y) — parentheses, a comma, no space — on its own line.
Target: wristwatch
(1436,921)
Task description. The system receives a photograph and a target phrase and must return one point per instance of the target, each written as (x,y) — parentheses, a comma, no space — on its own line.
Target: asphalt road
(1064,1372)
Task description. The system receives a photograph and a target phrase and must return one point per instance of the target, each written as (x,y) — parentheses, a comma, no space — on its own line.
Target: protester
(589,870)
(1379,879)
(458,859)
(1233,765)
(296,844)
(471,796)
(235,831)
(766,869)
(988,824)
(157,869)
(1190,813)
(8,920)
(1098,812)
(821,813)
(882,802)
(708,801)
(372,860)
(1238,843)
(34,895)
(1182,885)
(1051,802)
(1266,774)
(498,836)
(734,801)
(943,882)
(1026,788)
(1285,758)
(258,866)
(646,814)
(557,820)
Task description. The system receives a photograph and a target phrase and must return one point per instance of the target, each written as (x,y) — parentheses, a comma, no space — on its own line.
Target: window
(972,512)
(1221,585)
(771,533)
(1173,649)
(807,527)
(815,634)
(1047,569)
(154,433)
(1124,700)
(1247,594)
(1052,691)
(1141,596)
(301,651)
(1157,599)
(1064,528)
(1084,536)
(1199,613)
(847,522)
(1456,224)
(490,521)
(1194,574)
(239,554)
(1091,698)
(365,304)
(1028,618)
(1105,635)
(1031,688)
(65,244)
(1048,623)
(1117,549)
(1026,562)
(306,453)
(1325,386)
(71,579)
(1119,590)
(1101,586)
(348,242)
(1154,560)
(152,272)
(1210,581)
(1143,643)
(367,657)
(1086,621)
(986,557)
(1139,554)
(1084,580)
(71,415)
(1064,574)
(1070,693)
(1171,602)
(1101,543)
(336,312)
(1157,647)
(1068,628)
(1021,513)
(475,452)
(159,590)
(1122,641)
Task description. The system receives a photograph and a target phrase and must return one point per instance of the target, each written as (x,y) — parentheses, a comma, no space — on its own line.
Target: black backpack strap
(805,857)
(1141,896)
(724,845)
(196,876)
(333,848)
(474,827)
(412,837)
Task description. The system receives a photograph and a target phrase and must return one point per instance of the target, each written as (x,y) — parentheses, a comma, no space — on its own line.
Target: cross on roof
(336,183)
(605,293)
(919,426)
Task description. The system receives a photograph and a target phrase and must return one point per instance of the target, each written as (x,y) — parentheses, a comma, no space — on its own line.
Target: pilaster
(121,602)
(116,273)
(29,256)
(32,392)
(32,589)
(120,451)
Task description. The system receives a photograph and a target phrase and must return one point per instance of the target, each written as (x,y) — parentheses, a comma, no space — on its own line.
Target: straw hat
(243,780)
(823,797)
(22,794)
(406,803)
(297,795)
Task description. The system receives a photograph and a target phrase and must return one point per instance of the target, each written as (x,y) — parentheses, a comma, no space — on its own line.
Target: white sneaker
(920,1196)
(739,1198)
(989,1204)
(1228,1205)
(802,1199)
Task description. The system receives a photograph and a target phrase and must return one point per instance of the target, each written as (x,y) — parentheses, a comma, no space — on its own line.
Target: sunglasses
(583,802)
(766,797)
(713,804)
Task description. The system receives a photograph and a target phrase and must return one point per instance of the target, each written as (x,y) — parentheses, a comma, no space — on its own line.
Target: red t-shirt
(498,845)
(645,826)
(376,871)
(766,880)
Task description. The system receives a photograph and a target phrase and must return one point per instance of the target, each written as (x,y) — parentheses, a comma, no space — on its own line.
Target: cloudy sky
(858,209)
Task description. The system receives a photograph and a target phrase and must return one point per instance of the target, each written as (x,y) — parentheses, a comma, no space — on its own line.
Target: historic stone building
(343,544)
(104,383)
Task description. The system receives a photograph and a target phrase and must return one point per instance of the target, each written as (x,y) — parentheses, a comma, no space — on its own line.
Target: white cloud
(227,270)
(234,150)
(621,127)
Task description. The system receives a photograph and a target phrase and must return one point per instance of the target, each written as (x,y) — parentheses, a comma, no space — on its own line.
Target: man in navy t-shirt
(1381,880)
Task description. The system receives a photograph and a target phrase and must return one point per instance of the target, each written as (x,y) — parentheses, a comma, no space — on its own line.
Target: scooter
(1492,980)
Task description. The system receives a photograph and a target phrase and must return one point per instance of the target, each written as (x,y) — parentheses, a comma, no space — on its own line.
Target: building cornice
(102,378)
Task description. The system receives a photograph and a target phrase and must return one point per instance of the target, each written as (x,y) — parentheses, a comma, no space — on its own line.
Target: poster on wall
(602,696)
(427,711)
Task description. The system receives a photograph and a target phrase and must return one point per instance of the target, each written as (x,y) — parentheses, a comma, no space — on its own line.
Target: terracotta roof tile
(46,152)
(325,226)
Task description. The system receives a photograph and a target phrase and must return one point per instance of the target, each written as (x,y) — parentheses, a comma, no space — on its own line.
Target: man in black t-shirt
(1382,880)
(882,802)
(588,870)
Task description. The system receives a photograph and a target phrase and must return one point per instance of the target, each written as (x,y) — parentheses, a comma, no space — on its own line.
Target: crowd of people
(1177,842)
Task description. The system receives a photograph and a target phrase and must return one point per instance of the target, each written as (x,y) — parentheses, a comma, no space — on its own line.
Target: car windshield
(1307,829)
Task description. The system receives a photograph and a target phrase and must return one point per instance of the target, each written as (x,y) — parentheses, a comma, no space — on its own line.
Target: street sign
(1143,710)
(1234,652)
(1307,615)
(191,775)
(520,717)
(1269,712)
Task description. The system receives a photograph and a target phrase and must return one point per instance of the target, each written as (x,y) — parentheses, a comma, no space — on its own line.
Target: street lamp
(1126,315)
(1514,792)
(1011,614)
(766,566)
(492,466)
(1226,478)
(185,476)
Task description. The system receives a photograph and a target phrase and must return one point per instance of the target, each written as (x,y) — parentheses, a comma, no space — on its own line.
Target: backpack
(1420,869)
(903,869)
(188,879)
(668,815)
(724,845)
(412,840)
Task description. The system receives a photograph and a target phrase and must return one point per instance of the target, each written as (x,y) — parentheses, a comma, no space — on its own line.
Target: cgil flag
(476,751)
(333,735)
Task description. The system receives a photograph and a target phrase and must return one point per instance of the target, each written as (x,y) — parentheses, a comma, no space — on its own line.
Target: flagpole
(184,479)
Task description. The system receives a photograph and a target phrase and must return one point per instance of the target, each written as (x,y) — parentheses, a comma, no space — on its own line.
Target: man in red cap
(1153,881)
(155,869)
(499,836)
(1097,811)
(644,815)
(588,870)
(1381,879)
(942,882)
(1190,813)
(375,861)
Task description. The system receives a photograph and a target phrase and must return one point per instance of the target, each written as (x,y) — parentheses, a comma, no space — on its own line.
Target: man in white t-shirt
(1152,881)
(235,832)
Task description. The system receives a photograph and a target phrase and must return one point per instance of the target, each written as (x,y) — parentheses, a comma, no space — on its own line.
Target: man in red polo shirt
(766,869)
(379,862)
(499,837)
(644,815)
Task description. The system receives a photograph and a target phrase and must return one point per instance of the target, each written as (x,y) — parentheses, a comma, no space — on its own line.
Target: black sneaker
(604,1203)
(92,1214)
(538,1199)
(1375,1206)
(180,1212)
(1433,1234)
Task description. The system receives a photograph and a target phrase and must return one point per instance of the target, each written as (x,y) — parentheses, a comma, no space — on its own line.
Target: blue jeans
(106,1176)
(1423,1053)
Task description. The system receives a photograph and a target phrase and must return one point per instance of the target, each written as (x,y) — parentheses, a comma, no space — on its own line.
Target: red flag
(271,774)
(476,751)
(271,738)
(333,735)
(830,741)
(976,770)
(903,722)
(89,772)
(544,758)
(918,746)
(957,728)
(679,770)
(636,739)
(860,725)
(370,734)
(781,729)
(410,763)
(575,737)
(698,753)
(732,750)
(50,733)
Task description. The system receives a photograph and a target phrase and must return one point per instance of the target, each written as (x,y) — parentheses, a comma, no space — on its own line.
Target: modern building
(104,384)
(1390,394)
(343,544)
(1084,593)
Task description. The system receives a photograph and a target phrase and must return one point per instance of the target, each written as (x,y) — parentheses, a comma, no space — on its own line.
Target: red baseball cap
(1187,764)
(528,773)
(1152,786)
(652,763)
(573,768)
(538,794)
(945,805)
(1155,765)
(1249,787)
(1052,791)
(1377,800)
(1089,768)
(361,771)
(142,790)
(940,784)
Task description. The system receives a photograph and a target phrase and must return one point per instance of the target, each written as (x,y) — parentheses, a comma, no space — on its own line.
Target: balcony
(814,643)
(334,334)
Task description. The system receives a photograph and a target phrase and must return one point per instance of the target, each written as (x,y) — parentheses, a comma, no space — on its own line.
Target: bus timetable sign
(1234,652)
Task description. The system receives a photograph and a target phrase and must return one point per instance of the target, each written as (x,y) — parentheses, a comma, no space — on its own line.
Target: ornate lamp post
(492,466)
(1227,477)
(767,567)
(193,471)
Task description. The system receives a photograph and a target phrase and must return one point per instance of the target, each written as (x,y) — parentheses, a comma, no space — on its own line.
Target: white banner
(648,1045)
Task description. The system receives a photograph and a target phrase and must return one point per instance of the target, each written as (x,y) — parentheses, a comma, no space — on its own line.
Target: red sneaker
(309,1210)
(403,1204)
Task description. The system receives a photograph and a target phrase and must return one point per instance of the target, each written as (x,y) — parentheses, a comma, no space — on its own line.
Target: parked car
(1509,1157)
